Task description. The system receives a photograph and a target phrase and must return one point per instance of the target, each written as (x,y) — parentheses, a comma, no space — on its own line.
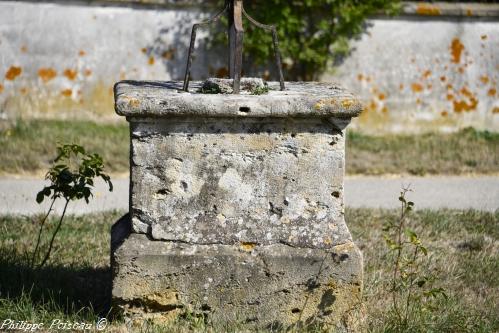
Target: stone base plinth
(261,286)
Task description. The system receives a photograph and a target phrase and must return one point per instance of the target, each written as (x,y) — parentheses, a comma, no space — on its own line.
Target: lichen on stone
(253,86)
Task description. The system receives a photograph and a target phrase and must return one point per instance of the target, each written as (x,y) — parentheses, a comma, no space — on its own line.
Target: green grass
(467,151)
(464,255)
(75,285)
(29,147)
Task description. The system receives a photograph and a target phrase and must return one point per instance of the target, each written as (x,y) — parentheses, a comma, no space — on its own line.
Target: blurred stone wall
(435,67)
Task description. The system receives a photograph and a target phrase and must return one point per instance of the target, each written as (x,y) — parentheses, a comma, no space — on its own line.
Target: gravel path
(17,196)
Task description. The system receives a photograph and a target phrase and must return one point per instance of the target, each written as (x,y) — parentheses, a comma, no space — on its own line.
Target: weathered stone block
(270,286)
(226,181)
(237,205)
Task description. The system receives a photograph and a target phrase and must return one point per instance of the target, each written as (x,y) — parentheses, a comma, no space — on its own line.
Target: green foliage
(73,174)
(71,178)
(260,90)
(411,287)
(311,32)
(210,90)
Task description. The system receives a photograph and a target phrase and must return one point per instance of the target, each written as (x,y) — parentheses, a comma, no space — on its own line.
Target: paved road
(17,196)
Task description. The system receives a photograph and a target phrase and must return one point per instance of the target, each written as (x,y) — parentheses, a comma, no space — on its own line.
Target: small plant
(410,287)
(212,89)
(260,90)
(71,178)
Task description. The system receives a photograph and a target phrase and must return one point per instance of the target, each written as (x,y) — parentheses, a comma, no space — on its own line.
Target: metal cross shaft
(235,11)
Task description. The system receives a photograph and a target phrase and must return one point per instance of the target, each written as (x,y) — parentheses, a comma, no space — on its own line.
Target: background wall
(425,74)
(436,67)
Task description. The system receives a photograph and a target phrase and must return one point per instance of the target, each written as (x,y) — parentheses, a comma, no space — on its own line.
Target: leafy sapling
(410,286)
(71,178)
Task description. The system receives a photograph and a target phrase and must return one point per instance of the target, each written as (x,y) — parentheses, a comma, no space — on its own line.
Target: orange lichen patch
(462,105)
(151,61)
(133,102)
(443,78)
(87,72)
(456,49)
(384,109)
(169,54)
(23,90)
(461,70)
(67,92)
(449,86)
(492,92)
(484,79)
(1,88)
(13,72)
(82,53)
(469,12)
(444,113)
(401,86)
(450,97)
(347,103)
(372,105)
(47,74)
(382,96)
(70,74)
(360,77)
(416,87)
(248,246)
(466,92)
(484,37)
(52,103)
(143,50)
(495,110)
(426,74)
(24,49)
(427,9)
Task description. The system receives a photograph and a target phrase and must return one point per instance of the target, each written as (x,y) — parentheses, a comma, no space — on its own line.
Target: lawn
(75,285)
(29,147)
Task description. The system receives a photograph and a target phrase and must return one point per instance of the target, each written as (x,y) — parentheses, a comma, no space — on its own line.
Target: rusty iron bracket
(235,10)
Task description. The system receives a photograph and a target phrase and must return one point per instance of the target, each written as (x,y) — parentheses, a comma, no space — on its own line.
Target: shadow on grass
(68,289)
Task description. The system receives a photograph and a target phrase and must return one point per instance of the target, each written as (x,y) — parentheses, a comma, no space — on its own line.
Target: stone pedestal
(236,206)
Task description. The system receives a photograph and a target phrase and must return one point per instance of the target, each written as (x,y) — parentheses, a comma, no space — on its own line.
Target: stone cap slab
(300,99)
